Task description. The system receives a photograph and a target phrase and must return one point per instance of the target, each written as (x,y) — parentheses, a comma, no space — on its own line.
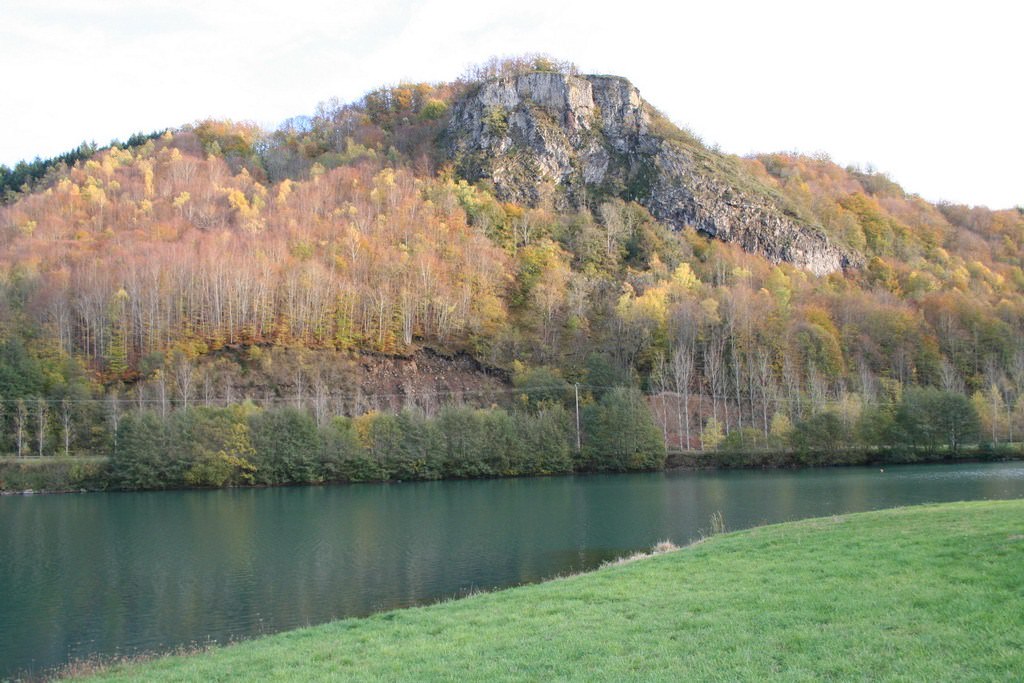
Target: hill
(526,217)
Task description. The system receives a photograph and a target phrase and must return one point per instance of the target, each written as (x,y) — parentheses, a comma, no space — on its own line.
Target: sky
(927,92)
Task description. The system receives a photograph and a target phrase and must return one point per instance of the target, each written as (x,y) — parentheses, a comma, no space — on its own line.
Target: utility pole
(579,445)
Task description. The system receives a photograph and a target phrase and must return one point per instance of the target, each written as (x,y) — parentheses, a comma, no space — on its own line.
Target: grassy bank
(924,593)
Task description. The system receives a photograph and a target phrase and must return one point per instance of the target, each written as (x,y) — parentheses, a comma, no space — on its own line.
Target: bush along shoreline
(245,445)
(74,474)
(926,424)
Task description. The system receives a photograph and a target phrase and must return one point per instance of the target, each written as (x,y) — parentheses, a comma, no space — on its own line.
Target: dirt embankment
(340,382)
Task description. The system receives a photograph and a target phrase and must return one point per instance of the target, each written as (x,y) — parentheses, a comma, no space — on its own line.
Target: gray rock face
(571,138)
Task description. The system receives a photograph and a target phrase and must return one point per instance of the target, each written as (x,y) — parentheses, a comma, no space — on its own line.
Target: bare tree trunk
(208,389)
(114,403)
(994,376)
(818,390)
(700,417)
(42,412)
(660,382)
(300,387)
(763,374)
(713,370)
(66,424)
(321,399)
(679,423)
(682,373)
(737,383)
(791,377)
(867,381)
(21,425)
(161,385)
(184,380)
(950,378)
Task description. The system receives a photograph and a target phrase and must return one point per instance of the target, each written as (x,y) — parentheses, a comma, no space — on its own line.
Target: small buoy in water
(882,470)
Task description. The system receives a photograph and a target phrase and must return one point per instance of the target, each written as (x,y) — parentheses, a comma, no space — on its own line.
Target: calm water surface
(119,573)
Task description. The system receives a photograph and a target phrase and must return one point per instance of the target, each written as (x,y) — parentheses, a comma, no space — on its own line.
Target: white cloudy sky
(929,92)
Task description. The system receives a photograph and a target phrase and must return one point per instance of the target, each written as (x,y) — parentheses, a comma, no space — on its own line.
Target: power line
(126,398)
(566,390)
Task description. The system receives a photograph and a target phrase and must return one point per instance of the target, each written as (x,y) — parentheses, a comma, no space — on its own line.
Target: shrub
(287,447)
(420,454)
(818,439)
(931,419)
(545,440)
(140,460)
(496,121)
(621,434)
(53,474)
(465,452)
(432,110)
(343,457)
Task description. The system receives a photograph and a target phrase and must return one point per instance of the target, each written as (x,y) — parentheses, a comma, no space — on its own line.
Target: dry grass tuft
(97,664)
(660,548)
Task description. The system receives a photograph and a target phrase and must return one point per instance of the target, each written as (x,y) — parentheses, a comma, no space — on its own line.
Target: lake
(119,573)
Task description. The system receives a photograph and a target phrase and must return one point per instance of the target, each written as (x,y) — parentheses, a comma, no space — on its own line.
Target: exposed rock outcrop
(567,138)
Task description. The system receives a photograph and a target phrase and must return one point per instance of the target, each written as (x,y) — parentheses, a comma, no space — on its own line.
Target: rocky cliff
(569,139)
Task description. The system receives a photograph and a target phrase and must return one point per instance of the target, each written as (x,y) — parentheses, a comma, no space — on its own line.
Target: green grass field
(932,593)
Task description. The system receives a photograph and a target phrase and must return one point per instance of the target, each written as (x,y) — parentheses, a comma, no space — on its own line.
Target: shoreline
(995,456)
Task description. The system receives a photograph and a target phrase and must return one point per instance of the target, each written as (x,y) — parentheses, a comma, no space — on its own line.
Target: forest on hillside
(219,263)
